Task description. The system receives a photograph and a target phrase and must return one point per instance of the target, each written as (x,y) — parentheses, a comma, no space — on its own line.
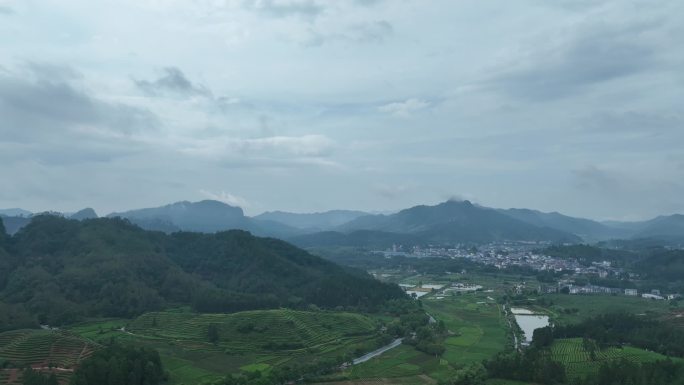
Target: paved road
(378,352)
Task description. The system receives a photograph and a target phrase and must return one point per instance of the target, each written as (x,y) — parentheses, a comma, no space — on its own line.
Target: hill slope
(585,228)
(365,238)
(453,221)
(62,270)
(312,221)
(205,216)
(664,227)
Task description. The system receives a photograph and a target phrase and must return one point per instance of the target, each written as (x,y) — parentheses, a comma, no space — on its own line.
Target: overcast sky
(307,105)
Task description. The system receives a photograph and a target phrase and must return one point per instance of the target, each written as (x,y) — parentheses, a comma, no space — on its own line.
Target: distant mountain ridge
(587,229)
(447,222)
(312,221)
(207,216)
(457,221)
(15,212)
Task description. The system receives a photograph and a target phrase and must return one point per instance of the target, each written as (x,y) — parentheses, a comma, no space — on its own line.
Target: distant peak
(458,201)
(87,213)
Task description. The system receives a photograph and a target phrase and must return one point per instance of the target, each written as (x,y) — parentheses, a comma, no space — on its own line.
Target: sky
(310,105)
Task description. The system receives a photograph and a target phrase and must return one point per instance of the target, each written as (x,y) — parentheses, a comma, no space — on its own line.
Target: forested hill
(59,270)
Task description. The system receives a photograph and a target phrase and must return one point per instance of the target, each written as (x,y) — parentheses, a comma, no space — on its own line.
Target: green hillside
(454,222)
(62,271)
(268,330)
(244,342)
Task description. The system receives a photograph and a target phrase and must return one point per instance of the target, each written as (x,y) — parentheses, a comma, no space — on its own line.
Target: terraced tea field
(244,341)
(42,349)
(578,361)
(267,330)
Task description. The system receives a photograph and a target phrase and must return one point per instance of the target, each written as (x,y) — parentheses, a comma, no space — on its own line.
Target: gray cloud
(49,106)
(5,10)
(172,82)
(611,191)
(412,99)
(635,122)
(595,55)
(391,191)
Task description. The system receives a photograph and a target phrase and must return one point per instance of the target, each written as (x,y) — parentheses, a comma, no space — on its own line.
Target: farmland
(244,341)
(578,362)
(570,309)
(42,349)
(477,331)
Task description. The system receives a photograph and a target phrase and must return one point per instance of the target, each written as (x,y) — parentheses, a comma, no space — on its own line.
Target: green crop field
(591,305)
(578,362)
(245,341)
(478,329)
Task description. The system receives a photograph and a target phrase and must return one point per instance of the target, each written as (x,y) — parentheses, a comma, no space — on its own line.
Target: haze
(570,106)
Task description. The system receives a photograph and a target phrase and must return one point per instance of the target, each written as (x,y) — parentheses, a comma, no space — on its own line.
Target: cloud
(274,151)
(634,122)
(362,32)
(228,198)
(5,10)
(172,82)
(593,178)
(611,191)
(45,105)
(405,108)
(574,61)
(285,8)
(391,191)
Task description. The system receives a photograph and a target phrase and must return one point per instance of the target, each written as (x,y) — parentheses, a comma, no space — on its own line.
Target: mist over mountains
(450,222)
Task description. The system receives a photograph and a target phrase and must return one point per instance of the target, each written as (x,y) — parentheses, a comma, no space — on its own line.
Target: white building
(652,296)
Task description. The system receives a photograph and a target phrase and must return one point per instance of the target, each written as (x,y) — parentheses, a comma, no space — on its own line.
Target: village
(525,255)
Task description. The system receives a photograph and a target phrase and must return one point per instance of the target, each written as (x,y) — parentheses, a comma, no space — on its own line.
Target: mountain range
(449,222)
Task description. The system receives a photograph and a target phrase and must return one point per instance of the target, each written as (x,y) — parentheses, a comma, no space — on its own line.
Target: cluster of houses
(655,294)
(420,290)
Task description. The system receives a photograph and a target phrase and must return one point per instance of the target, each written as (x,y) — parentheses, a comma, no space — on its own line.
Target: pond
(528,323)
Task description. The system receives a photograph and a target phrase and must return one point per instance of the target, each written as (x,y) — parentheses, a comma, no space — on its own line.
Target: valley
(230,308)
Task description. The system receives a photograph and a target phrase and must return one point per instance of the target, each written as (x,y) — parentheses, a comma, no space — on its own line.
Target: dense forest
(120,364)
(57,271)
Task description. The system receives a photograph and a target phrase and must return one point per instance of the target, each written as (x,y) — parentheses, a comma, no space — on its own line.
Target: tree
(3,233)
(213,333)
(590,347)
(542,337)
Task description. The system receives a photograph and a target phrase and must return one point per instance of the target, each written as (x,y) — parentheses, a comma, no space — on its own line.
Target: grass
(480,328)
(578,362)
(247,341)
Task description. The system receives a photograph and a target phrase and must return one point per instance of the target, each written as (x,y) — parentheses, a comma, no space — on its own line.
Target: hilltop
(454,221)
